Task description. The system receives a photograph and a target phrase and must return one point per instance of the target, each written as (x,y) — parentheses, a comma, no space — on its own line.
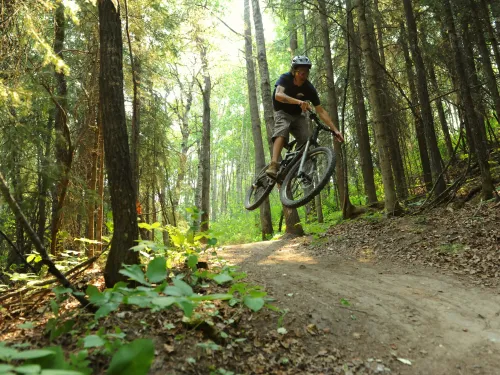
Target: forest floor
(416,294)
(410,295)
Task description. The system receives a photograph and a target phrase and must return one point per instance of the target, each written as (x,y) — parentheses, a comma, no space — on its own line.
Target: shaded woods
(141,125)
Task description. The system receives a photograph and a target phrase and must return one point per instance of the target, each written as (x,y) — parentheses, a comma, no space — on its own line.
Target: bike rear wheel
(261,187)
(297,190)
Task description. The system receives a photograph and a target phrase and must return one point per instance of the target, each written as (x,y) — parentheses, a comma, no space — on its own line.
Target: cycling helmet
(301,61)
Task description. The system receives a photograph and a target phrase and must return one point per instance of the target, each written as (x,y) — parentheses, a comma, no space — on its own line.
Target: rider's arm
(325,117)
(280,96)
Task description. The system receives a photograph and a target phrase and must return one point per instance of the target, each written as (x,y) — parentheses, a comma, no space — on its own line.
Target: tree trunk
(17,257)
(265,208)
(495,10)
(395,146)
(199,177)
(135,66)
(486,60)
(375,91)
(419,126)
(100,183)
(121,186)
(485,14)
(387,103)
(292,30)
(291,216)
(63,141)
(182,110)
(304,27)
(347,207)
(472,121)
(440,109)
(380,40)
(423,97)
(44,181)
(205,149)
(92,186)
(363,137)
(471,72)
(265,82)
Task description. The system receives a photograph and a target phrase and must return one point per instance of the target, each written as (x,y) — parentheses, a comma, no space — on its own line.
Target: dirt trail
(439,323)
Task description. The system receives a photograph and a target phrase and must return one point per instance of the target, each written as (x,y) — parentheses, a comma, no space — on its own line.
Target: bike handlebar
(322,126)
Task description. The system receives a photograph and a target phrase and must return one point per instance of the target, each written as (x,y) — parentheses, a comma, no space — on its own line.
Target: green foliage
(133,358)
(344,302)
(373,216)
(156,293)
(47,361)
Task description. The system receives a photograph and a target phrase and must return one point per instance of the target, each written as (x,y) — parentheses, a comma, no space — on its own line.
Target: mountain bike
(303,172)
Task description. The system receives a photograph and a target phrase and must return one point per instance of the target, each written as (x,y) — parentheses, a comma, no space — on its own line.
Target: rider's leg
(280,138)
(300,129)
(278,144)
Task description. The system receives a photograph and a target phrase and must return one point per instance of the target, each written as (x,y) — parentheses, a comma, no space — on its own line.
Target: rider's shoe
(272,170)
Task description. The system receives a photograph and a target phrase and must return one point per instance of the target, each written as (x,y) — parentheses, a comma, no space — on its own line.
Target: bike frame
(291,157)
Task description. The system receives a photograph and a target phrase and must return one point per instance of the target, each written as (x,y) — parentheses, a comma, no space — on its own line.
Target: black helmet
(301,61)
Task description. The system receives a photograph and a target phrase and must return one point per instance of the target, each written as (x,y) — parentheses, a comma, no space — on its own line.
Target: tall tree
(121,187)
(380,38)
(347,207)
(135,66)
(291,216)
(376,103)
(485,58)
(493,38)
(362,133)
(265,208)
(265,81)
(419,126)
(181,106)
(205,147)
(388,102)
(64,151)
(423,97)
(472,121)
(440,108)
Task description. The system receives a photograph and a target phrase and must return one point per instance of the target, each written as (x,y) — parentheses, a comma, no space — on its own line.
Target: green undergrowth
(244,227)
(317,229)
(174,277)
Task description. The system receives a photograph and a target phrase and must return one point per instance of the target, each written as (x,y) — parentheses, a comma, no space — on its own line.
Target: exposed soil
(368,289)
(411,295)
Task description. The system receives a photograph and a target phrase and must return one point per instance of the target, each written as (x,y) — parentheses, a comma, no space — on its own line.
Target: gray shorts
(297,125)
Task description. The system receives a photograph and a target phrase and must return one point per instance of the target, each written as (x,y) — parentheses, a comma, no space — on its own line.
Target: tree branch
(39,245)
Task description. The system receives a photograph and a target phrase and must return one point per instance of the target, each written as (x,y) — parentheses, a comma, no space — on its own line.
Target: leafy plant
(134,358)
(46,361)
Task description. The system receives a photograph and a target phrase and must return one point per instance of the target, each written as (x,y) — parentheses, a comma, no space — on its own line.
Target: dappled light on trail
(366,255)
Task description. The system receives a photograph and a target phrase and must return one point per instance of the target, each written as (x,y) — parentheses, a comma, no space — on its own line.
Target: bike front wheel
(261,187)
(299,188)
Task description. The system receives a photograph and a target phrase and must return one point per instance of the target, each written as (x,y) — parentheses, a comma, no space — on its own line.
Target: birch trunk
(291,216)
(265,208)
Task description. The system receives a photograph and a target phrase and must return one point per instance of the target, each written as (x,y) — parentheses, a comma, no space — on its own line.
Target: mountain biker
(291,93)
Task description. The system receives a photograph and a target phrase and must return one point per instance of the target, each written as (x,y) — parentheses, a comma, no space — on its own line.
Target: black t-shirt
(304,92)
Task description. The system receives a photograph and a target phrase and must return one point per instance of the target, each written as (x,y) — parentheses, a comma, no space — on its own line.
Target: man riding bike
(291,93)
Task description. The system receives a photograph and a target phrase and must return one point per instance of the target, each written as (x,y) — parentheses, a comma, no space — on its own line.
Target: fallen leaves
(465,242)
